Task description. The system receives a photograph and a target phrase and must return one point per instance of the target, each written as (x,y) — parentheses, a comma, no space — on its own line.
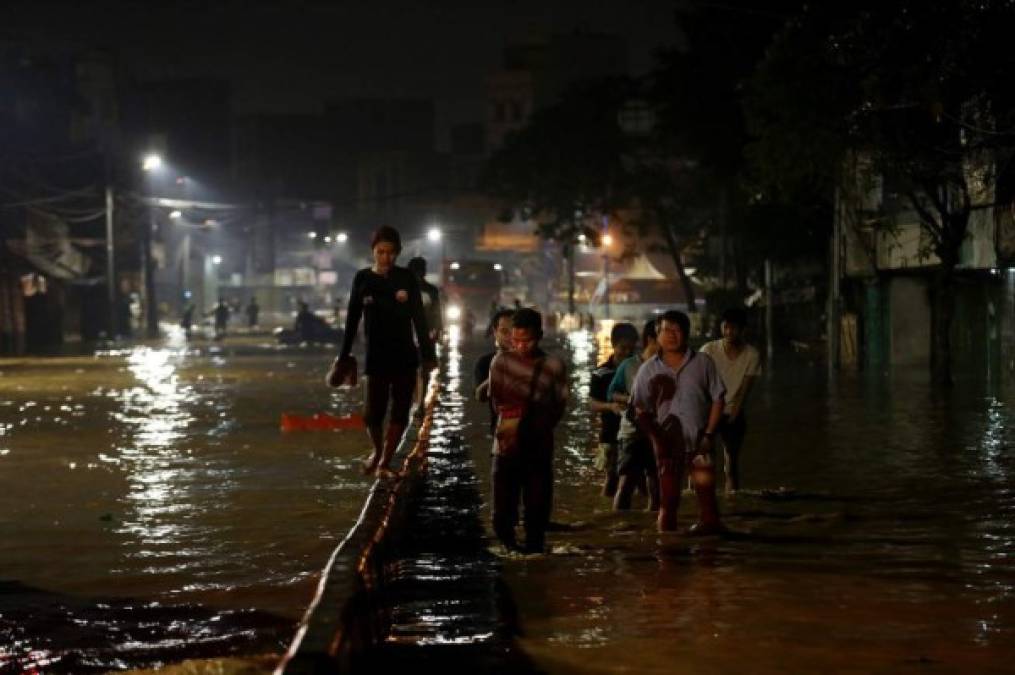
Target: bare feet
(370,465)
(386,472)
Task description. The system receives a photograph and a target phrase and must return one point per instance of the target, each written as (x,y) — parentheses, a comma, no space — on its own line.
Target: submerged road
(875,534)
(152,512)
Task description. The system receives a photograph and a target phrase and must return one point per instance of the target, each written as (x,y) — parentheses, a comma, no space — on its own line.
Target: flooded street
(152,509)
(875,533)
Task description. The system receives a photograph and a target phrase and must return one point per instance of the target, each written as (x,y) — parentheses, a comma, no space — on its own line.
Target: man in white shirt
(739,365)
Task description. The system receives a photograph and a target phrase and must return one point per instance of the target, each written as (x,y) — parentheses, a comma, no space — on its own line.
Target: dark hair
(623,331)
(497,316)
(679,318)
(388,234)
(736,316)
(417,266)
(530,319)
(649,332)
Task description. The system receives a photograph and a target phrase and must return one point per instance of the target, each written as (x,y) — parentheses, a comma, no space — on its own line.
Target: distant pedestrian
(253,312)
(739,365)
(529,389)
(500,331)
(679,399)
(623,340)
(187,319)
(306,323)
(221,313)
(636,462)
(388,300)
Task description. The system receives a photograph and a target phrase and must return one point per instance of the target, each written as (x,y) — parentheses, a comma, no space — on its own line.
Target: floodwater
(875,534)
(152,510)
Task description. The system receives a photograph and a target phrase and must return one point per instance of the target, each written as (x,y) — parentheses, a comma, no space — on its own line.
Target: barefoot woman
(387,298)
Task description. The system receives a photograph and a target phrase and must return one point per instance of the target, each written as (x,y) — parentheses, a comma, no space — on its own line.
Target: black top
(480,375)
(598,384)
(391,308)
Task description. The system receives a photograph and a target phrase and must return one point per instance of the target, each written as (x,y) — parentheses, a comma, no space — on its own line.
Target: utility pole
(769,346)
(834,302)
(110,263)
(148,276)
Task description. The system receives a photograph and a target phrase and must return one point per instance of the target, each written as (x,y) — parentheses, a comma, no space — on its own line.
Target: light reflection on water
(171,508)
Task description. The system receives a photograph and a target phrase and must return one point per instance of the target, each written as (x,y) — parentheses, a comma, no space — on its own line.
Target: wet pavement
(875,532)
(152,509)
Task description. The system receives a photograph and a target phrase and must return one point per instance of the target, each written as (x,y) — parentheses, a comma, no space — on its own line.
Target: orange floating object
(320,422)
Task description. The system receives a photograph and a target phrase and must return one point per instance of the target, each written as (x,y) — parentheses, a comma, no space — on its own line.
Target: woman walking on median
(387,297)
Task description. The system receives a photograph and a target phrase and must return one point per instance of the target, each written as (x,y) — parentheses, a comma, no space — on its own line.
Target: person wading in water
(679,398)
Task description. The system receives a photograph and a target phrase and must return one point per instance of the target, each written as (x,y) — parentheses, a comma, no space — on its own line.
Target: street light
(311,235)
(216,259)
(151,162)
(341,238)
(434,234)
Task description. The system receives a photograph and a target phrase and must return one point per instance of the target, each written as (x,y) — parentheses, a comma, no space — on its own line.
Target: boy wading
(529,391)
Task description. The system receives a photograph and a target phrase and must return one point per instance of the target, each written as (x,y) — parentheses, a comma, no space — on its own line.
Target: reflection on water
(875,534)
(153,511)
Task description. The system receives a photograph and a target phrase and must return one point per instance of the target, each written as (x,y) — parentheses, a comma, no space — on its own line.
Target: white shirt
(734,371)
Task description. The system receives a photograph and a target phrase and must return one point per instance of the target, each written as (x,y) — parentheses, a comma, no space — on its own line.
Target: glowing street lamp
(151,162)
(607,240)
(341,238)
(216,259)
(434,234)
(311,235)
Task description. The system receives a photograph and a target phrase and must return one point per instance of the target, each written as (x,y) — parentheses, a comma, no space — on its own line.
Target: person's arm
(598,405)
(481,379)
(352,316)
(426,348)
(753,370)
(717,391)
(741,396)
(617,393)
(493,383)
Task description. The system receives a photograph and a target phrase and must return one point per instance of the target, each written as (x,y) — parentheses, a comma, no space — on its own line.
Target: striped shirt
(511,381)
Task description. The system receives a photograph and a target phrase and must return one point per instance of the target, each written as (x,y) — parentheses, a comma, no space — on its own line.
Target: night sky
(290,57)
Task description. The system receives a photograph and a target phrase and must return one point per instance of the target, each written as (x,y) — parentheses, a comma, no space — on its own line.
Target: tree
(920,91)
